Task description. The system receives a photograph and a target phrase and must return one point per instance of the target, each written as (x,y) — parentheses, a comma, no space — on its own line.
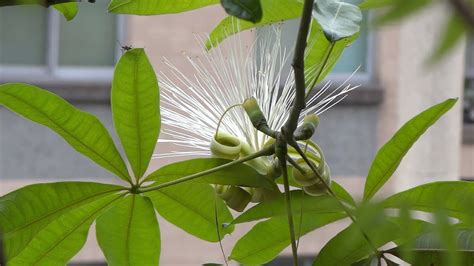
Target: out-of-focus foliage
(250,10)
(461,20)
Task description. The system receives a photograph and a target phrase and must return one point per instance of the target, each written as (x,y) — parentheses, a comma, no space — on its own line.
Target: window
(469,87)
(84,49)
(357,54)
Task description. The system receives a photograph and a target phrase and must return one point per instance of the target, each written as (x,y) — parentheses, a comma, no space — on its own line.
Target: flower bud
(274,171)
(254,112)
(235,197)
(319,188)
(306,178)
(307,129)
(225,146)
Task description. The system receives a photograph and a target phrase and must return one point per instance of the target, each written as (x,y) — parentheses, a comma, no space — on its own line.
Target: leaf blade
(273,11)
(135,108)
(268,238)
(25,212)
(249,10)
(153,7)
(69,10)
(60,240)
(191,208)
(128,233)
(390,155)
(83,131)
(457,200)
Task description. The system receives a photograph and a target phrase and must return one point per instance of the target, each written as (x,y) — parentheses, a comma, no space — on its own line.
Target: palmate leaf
(192,207)
(83,131)
(268,238)
(391,154)
(135,108)
(300,201)
(273,11)
(128,233)
(154,7)
(27,211)
(250,10)
(454,197)
(240,174)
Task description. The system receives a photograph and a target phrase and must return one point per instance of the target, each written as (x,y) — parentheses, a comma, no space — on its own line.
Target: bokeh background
(75,59)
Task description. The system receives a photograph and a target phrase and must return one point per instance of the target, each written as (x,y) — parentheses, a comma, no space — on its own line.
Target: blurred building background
(75,59)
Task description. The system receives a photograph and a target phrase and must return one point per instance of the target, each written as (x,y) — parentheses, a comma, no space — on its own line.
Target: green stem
(321,69)
(331,192)
(281,153)
(264,152)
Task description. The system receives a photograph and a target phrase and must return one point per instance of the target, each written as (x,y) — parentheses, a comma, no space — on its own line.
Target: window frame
(51,72)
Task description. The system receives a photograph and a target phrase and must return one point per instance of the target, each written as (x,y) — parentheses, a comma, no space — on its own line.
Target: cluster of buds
(227,146)
(314,180)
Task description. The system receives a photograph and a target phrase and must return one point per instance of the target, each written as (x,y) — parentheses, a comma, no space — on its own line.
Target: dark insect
(126,47)
(91,1)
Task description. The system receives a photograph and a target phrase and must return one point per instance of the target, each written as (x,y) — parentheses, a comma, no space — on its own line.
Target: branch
(331,192)
(264,152)
(281,152)
(298,69)
(465,10)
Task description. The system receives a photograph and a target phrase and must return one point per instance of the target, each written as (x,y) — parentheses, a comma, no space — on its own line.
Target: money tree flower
(223,78)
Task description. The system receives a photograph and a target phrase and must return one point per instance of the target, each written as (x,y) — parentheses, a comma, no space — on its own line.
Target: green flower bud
(306,178)
(274,171)
(235,197)
(254,112)
(307,129)
(225,146)
(319,188)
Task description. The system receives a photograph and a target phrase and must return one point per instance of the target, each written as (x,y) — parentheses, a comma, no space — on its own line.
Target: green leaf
(268,238)
(337,18)
(83,131)
(273,11)
(430,250)
(135,108)
(342,194)
(367,4)
(69,10)
(301,202)
(192,207)
(60,240)
(25,212)
(45,3)
(128,233)
(455,197)
(240,174)
(400,9)
(322,55)
(154,7)
(350,246)
(453,33)
(391,154)
(249,10)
